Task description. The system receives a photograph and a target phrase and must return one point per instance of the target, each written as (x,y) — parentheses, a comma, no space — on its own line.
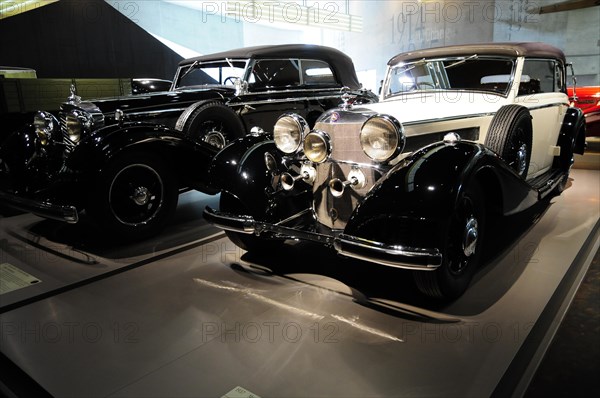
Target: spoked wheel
(134,197)
(462,251)
(213,134)
(213,123)
(249,242)
(510,136)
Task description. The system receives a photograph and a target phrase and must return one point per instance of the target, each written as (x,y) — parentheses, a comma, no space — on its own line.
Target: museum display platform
(189,314)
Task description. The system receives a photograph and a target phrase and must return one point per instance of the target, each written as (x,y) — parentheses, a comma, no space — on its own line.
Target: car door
(542,91)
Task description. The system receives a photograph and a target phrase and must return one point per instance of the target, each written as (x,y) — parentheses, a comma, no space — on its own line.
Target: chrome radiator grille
(345,141)
(346,154)
(69,145)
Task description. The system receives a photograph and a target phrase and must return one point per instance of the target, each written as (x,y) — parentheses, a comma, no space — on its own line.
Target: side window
(317,73)
(278,73)
(539,76)
(561,81)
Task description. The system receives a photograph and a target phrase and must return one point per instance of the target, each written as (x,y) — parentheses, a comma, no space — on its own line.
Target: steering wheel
(426,84)
(230,78)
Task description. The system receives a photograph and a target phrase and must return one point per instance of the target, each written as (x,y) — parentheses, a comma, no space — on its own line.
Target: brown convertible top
(342,65)
(527,49)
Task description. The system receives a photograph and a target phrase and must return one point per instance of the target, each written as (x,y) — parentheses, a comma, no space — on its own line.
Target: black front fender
(240,168)
(187,159)
(572,136)
(413,203)
(19,149)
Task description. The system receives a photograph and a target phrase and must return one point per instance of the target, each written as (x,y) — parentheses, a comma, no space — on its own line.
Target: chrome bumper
(44,209)
(346,245)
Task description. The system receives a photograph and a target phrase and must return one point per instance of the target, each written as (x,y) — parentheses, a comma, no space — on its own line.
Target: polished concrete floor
(189,314)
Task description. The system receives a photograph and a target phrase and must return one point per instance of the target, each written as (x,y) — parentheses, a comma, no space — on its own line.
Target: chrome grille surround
(347,154)
(69,145)
(76,110)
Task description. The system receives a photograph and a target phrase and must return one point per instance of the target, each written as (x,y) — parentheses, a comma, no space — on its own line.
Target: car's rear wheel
(510,136)
(249,242)
(462,251)
(134,197)
(213,123)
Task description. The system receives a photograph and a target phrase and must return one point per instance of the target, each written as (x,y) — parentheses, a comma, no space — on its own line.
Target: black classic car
(123,160)
(460,134)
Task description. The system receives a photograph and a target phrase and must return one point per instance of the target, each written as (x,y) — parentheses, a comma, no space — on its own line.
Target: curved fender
(421,192)
(19,149)
(240,168)
(189,160)
(572,137)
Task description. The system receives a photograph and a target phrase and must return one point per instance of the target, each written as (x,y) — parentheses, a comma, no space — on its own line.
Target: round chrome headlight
(288,133)
(382,137)
(78,123)
(44,124)
(317,146)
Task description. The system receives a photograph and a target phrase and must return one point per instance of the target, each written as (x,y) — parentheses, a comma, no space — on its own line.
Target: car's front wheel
(134,197)
(462,251)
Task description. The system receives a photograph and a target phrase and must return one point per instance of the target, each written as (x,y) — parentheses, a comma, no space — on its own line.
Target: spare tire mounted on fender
(211,122)
(510,136)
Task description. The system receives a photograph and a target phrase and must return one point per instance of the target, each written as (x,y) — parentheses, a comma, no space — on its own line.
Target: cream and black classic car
(460,134)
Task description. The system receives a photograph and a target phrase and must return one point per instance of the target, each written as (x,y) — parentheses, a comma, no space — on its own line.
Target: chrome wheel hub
(141,196)
(216,139)
(521,158)
(470,237)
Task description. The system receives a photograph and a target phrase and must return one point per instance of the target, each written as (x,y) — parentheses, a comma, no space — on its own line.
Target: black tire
(134,197)
(510,136)
(213,123)
(462,251)
(249,242)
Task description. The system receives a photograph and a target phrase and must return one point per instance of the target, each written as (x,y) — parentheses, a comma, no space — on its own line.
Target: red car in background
(588,99)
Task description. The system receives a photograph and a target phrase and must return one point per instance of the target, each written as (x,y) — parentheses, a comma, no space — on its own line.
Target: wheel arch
(240,166)
(179,154)
(422,192)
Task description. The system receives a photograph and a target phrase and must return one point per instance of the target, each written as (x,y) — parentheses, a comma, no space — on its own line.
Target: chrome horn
(356,179)
(307,174)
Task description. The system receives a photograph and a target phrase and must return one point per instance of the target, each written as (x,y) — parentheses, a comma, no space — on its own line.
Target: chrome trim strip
(295,216)
(404,255)
(450,118)
(156,112)
(229,222)
(533,108)
(346,245)
(287,99)
(67,214)
(309,90)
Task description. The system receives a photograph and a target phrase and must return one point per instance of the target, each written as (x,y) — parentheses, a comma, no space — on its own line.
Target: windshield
(211,73)
(462,73)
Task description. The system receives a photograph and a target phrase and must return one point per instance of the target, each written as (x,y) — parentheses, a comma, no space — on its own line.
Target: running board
(545,183)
